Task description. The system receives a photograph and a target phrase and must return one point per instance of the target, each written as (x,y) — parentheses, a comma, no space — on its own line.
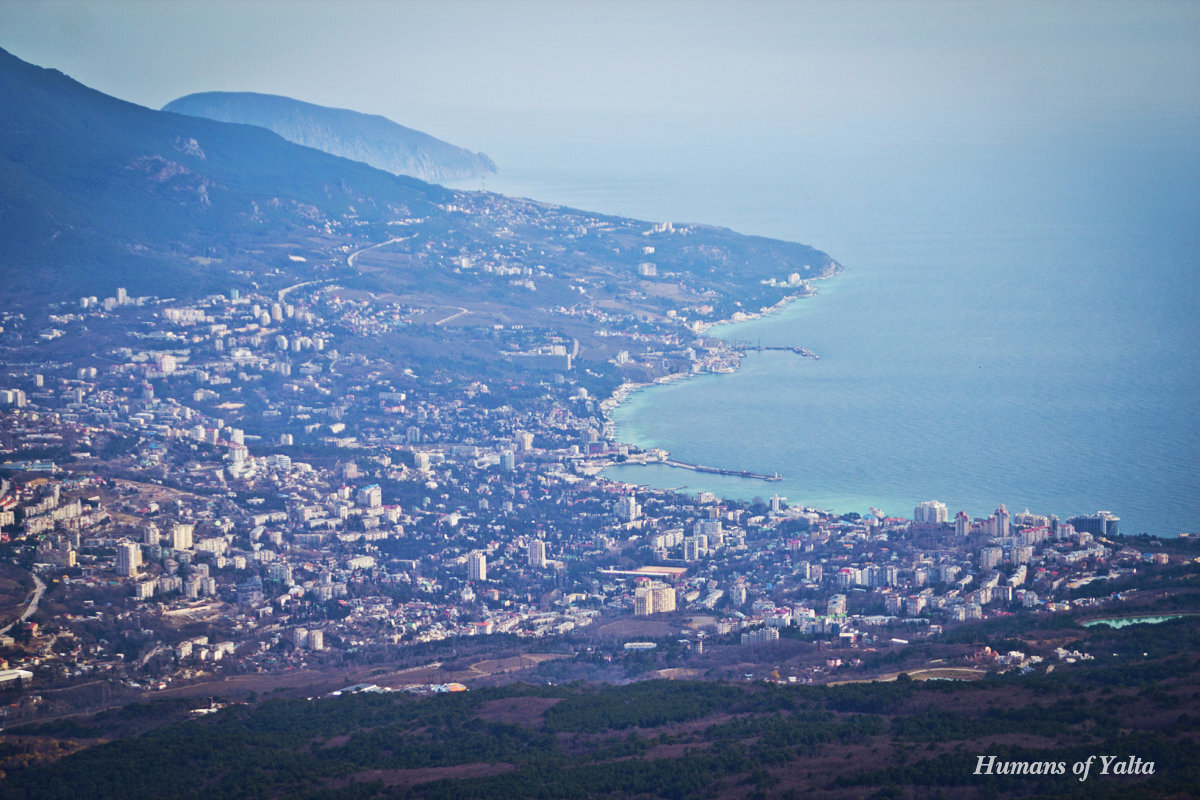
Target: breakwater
(720,471)
(744,347)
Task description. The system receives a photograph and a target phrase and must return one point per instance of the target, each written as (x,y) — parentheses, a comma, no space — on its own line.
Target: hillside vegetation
(658,739)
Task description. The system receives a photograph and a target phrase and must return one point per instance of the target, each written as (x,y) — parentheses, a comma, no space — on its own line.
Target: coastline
(626,390)
(623,392)
(741,316)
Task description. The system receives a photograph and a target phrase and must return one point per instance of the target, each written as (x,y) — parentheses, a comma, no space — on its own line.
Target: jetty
(670,462)
(743,347)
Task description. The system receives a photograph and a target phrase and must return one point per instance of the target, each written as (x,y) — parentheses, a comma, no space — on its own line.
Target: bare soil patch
(680,674)
(939,673)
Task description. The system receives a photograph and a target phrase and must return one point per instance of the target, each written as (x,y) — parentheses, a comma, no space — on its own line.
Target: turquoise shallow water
(1017,323)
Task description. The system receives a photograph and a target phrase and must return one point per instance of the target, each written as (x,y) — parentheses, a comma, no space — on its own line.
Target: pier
(718,471)
(744,346)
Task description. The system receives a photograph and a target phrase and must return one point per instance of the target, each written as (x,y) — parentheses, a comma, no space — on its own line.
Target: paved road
(350,259)
(454,316)
(32,608)
(282,294)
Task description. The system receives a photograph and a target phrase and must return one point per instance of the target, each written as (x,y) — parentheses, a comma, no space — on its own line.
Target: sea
(1018,320)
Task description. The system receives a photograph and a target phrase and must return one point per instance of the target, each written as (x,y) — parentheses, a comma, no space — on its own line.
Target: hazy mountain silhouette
(368,138)
(96,191)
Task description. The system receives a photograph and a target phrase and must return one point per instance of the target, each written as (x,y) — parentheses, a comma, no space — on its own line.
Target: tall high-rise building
(627,508)
(694,547)
(962,524)
(931,512)
(181,536)
(1001,517)
(537,553)
(664,599)
(477,566)
(653,598)
(643,601)
(129,558)
(13,397)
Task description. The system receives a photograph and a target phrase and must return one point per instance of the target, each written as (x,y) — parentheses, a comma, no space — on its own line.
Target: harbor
(744,347)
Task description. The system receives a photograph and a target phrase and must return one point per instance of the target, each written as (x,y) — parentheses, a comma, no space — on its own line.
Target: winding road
(282,294)
(32,608)
(350,259)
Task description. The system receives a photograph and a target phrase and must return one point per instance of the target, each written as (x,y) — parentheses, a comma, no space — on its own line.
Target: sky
(455,68)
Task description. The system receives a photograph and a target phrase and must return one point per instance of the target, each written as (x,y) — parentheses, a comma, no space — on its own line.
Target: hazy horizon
(484,74)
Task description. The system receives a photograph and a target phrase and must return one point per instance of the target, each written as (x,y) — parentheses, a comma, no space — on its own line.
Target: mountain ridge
(97,193)
(95,189)
(370,138)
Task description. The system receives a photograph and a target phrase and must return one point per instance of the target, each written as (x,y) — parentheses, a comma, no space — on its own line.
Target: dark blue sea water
(1018,322)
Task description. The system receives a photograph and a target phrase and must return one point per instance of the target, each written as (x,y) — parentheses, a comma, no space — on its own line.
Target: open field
(932,674)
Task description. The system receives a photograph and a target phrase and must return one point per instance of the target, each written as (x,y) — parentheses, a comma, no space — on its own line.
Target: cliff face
(367,138)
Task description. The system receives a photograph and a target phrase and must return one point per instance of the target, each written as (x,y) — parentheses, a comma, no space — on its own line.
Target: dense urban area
(246,484)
